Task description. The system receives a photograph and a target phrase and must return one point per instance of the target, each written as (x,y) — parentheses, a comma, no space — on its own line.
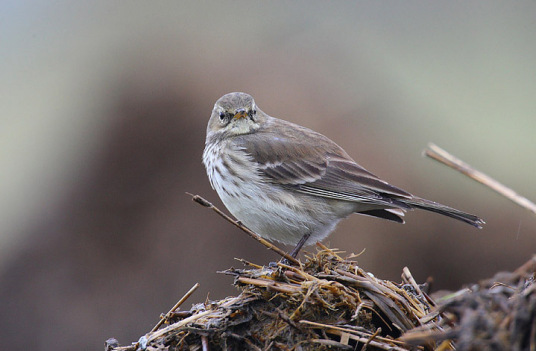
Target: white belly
(266,208)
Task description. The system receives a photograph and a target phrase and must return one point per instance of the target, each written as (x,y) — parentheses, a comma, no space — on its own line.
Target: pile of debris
(329,303)
(495,314)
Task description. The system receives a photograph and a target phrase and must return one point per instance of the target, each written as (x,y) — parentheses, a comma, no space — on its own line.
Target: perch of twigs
(329,303)
(326,303)
(435,152)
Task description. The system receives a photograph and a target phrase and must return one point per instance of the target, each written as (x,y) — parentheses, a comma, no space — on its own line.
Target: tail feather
(432,206)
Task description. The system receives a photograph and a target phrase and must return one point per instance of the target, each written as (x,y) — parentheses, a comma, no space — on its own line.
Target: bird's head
(235,114)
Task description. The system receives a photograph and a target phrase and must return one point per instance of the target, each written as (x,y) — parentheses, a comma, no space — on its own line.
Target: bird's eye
(222,116)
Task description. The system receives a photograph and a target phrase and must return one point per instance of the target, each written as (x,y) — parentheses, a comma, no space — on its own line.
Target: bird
(290,184)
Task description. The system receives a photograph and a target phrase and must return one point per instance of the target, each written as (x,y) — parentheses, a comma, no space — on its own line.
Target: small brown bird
(291,184)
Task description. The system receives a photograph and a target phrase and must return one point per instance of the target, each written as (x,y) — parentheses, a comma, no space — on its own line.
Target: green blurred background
(104,107)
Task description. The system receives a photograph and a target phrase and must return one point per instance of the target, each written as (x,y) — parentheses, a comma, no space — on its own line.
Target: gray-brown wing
(311,163)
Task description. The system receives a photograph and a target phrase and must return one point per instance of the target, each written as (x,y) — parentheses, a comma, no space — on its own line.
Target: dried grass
(329,303)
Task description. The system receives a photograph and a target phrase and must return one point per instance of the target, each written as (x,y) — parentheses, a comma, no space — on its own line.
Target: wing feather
(321,168)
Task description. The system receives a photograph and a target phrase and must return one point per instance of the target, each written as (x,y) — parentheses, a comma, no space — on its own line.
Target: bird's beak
(240,113)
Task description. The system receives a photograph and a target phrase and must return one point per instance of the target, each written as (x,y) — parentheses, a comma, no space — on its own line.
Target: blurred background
(104,107)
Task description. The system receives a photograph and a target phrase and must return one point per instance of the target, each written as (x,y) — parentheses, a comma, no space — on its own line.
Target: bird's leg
(300,244)
(294,252)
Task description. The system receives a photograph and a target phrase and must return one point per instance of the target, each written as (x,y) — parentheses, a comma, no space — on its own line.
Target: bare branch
(205,203)
(435,152)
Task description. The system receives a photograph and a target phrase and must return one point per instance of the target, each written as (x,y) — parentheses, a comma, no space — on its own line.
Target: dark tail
(432,206)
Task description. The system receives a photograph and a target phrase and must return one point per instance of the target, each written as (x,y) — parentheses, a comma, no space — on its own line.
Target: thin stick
(252,234)
(177,305)
(359,336)
(157,334)
(406,275)
(435,152)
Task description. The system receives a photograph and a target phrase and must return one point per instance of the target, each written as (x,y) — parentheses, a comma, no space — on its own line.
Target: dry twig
(205,203)
(435,152)
(177,305)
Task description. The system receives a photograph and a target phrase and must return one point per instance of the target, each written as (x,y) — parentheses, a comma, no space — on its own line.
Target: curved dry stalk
(205,203)
(435,152)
